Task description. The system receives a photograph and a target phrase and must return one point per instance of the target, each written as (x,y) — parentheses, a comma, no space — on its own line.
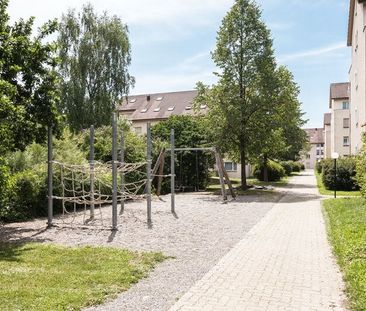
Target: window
(159,98)
(231,166)
(318,152)
(345,141)
(203,106)
(188,107)
(144,110)
(133,100)
(138,129)
(170,108)
(345,105)
(308,156)
(157,109)
(346,123)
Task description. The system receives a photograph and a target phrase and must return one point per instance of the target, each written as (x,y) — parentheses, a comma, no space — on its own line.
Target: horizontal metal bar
(194,149)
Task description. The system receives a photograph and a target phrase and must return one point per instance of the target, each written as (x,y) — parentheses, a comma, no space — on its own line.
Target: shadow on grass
(12,251)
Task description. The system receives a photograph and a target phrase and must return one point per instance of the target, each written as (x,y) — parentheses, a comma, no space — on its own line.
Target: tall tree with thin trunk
(94,53)
(242,100)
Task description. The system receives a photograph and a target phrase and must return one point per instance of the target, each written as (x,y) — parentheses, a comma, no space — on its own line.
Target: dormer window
(160,98)
(133,100)
(157,109)
(188,107)
(171,108)
(144,110)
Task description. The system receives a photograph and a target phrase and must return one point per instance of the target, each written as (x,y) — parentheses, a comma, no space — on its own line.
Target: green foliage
(42,277)
(28,82)
(189,133)
(296,166)
(319,166)
(254,111)
(94,54)
(287,165)
(361,167)
(347,232)
(346,174)
(275,171)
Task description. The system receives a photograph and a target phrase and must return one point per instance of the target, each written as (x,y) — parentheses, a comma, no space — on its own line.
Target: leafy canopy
(95,55)
(28,82)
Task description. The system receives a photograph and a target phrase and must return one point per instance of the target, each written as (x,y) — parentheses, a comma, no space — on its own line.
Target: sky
(171,41)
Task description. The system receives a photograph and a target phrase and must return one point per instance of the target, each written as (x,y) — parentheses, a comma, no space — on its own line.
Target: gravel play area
(202,231)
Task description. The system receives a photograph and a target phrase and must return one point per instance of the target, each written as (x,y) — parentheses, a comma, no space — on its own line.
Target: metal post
(114,172)
(91,167)
(148,173)
(172,171)
(122,159)
(50,176)
(335,178)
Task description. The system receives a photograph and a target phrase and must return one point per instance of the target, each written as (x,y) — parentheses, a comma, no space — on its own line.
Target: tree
(94,58)
(28,82)
(242,102)
(282,138)
(192,168)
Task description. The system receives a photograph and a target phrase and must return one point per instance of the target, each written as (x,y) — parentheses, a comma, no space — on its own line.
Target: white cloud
(313,53)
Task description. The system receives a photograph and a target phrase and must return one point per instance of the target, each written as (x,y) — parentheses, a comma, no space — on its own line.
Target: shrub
(296,166)
(346,174)
(302,166)
(287,167)
(275,171)
(361,167)
(319,166)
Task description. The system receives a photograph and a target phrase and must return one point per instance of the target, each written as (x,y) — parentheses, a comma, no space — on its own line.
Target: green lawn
(347,231)
(324,191)
(51,277)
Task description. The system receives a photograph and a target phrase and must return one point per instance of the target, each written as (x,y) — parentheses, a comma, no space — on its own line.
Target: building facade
(140,110)
(357,72)
(316,152)
(337,123)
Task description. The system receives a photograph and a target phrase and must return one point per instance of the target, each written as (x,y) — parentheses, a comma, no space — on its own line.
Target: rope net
(90,186)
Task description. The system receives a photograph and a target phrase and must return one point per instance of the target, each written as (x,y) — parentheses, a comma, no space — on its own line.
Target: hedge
(274,169)
(346,174)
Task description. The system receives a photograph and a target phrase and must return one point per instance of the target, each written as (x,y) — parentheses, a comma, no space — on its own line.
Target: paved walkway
(283,263)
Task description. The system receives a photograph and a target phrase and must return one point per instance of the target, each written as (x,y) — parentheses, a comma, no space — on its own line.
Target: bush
(275,171)
(361,167)
(287,167)
(302,166)
(296,166)
(319,166)
(346,174)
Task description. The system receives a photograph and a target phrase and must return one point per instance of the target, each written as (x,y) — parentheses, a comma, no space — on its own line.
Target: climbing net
(90,185)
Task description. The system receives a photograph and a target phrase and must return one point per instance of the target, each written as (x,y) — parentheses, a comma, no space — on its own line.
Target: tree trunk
(244,185)
(265,168)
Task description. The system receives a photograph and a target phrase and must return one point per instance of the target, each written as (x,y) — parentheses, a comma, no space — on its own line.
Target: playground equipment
(95,184)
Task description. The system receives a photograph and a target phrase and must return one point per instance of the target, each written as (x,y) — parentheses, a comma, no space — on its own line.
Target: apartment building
(153,108)
(337,133)
(316,152)
(357,73)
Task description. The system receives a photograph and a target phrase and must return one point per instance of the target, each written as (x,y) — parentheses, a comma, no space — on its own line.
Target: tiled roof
(315,135)
(159,106)
(327,118)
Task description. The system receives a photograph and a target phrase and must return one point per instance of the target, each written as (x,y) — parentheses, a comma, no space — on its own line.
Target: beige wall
(338,131)
(357,77)
(328,141)
(315,154)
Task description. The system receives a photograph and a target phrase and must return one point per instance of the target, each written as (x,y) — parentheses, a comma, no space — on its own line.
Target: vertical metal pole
(335,178)
(114,172)
(148,173)
(50,176)
(91,167)
(122,159)
(172,171)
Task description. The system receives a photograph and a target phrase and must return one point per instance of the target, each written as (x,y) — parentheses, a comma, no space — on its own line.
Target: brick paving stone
(283,263)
